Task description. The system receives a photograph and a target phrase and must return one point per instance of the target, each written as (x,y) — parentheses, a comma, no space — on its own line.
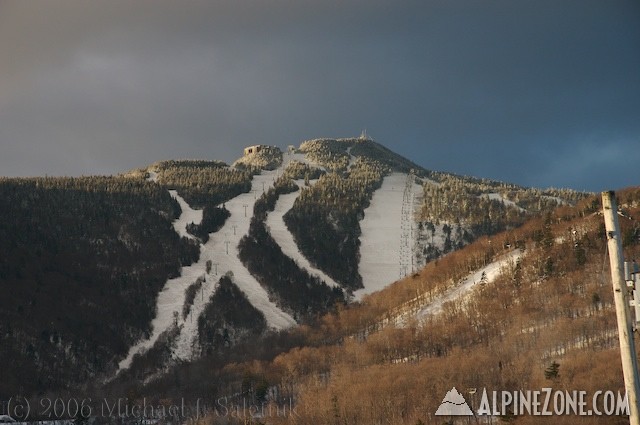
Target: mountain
(523,310)
(124,278)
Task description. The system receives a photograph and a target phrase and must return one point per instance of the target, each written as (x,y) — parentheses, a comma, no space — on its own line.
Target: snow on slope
(222,250)
(189,215)
(284,238)
(300,157)
(352,159)
(491,271)
(558,201)
(171,298)
(380,243)
(498,197)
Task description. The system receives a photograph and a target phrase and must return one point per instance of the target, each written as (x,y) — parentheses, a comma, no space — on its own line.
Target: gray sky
(539,93)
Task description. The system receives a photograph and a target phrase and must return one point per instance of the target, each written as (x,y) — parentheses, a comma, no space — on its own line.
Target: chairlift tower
(406,228)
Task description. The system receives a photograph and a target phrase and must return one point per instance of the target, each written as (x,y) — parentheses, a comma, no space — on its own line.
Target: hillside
(72,252)
(487,316)
(199,272)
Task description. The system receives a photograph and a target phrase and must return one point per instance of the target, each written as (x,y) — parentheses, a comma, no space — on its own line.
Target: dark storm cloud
(542,93)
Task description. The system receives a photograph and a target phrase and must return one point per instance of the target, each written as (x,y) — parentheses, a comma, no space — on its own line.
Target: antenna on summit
(363,135)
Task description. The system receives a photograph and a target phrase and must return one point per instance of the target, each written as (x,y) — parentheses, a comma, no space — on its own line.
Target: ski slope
(222,250)
(500,198)
(491,272)
(189,215)
(300,157)
(280,233)
(171,297)
(382,258)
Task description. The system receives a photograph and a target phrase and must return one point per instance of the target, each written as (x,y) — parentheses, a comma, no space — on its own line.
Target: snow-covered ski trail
(222,250)
(498,197)
(280,233)
(383,228)
(188,215)
(490,272)
(171,297)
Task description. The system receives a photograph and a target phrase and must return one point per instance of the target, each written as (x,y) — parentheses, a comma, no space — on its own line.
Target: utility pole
(621,298)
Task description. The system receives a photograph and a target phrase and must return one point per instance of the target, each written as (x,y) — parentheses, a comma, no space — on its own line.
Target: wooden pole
(622,298)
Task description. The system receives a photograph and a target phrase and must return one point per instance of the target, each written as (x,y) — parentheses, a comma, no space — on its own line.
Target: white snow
(558,200)
(280,233)
(222,250)
(381,262)
(300,157)
(185,343)
(189,215)
(170,300)
(153,176)
(352,159)
(498,197)
(491,271)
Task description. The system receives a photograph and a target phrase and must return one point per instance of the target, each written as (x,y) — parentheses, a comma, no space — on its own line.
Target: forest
(204,185)
(72,252)
(466,208)
(325,219)
(228,319)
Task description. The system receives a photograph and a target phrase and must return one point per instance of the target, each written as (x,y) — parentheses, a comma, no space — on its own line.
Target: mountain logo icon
(454,404)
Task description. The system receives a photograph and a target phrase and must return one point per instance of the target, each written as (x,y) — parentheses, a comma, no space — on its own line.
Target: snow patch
(500,198)
(188,216)
(352,159)
(300,157)
(557,200)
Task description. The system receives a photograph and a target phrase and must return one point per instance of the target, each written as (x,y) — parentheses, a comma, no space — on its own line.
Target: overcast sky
(539,93)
